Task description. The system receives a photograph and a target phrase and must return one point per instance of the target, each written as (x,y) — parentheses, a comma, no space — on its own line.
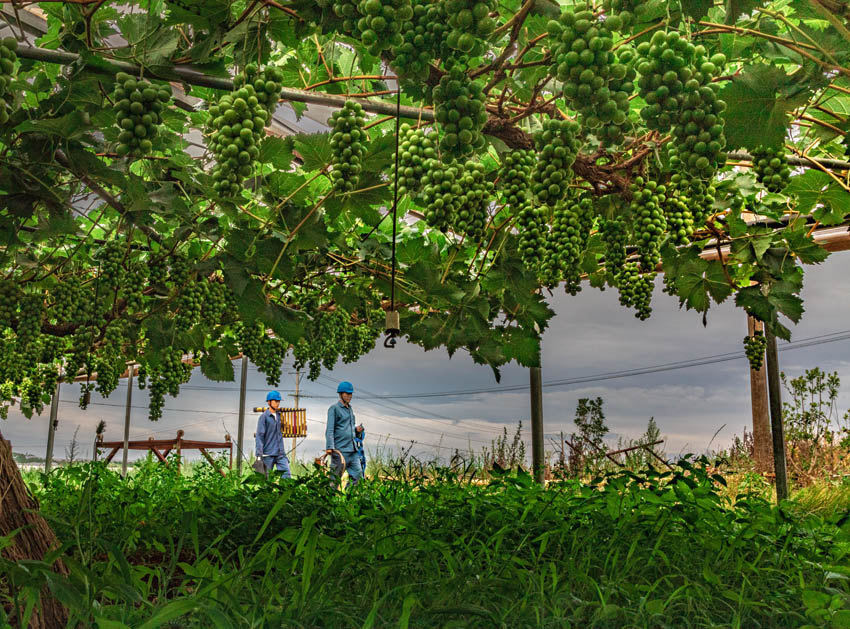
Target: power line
(683,364)
(415,410)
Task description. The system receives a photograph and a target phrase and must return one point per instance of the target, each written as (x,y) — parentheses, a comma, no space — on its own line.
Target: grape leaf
(216,365)
(314,149)
(756,107)
(816,190)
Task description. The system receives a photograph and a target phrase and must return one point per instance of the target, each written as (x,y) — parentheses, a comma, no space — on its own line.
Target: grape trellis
(148,214)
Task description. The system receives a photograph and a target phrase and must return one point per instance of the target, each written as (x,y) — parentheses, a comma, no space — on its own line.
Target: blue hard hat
(345,387)
(273,395)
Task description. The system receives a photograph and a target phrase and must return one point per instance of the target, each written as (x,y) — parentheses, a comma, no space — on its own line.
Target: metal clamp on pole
(393,329)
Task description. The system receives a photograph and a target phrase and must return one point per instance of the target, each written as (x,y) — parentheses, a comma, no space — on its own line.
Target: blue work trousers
(279,463)
(352,464)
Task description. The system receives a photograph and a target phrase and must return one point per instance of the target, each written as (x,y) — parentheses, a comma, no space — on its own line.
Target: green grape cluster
(699,138)
(669,284)
(635,289)
(469,21)
(219,303)
(615,237)
(584,61)
(376,23)
(69,302)
(422,40)
(110,259)
(459,109)
(557,147)
(347,145)
(571,224)
(473,202)
(79,359)
(329,333)
(134,286)
(266,352)
(754,347)
(440,190)
(178,273)
(533,229)
(671,68)
(8,46)
(157,272)
(237,122)
(771,167)
(623,9)
(357,341)
(10,294)
(189,303)
(163,378)
(678,214)
(612,132)
(109,362)
(415,149)
(515,178)
(700,195)
(138,108)
(30,316)
(649,221)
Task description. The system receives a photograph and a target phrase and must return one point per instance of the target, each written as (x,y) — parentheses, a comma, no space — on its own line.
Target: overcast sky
(590,335)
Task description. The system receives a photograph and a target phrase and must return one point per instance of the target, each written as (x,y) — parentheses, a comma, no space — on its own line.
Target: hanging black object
(392,328)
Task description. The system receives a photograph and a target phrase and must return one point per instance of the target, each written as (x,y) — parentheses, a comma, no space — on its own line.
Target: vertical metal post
(51,430)
(776,416)
(127,412)
(297,405)
(536,390)
(241,429)
(763,452)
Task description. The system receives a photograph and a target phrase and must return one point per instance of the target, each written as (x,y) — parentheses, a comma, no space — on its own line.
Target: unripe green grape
(771,168)
(557,147)
(8,46)
(346,143)
(754,347)
(459,109)
(415,149)
(635,289)
(138,107)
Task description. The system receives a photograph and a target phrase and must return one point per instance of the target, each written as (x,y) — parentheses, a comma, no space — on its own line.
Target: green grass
(628,550)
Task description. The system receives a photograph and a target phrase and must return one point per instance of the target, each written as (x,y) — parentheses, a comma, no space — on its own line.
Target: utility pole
(536,390)
(776,416)
(297,398)
(127,412)
(763,450)
(241,429)
(51,430)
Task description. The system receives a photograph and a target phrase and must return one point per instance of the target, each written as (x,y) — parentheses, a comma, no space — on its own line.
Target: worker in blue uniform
(269,438)
(339,437)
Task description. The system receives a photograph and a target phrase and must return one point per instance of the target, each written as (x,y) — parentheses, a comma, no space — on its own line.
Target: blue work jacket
(339,434)
(269,438)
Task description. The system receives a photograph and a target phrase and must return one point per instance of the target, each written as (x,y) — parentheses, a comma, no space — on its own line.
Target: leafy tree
(148,217)
(813,407)
(589,440)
